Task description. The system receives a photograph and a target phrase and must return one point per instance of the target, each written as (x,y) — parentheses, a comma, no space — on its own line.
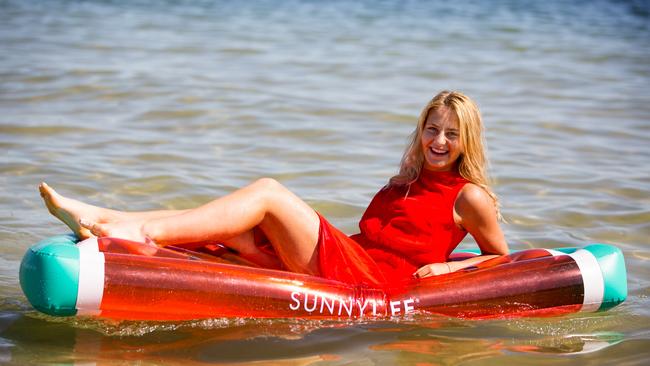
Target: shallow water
(145,104)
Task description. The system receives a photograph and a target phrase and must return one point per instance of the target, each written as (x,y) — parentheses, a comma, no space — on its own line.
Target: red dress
(403,229)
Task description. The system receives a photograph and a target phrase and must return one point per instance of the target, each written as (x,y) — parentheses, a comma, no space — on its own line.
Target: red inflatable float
(120,279)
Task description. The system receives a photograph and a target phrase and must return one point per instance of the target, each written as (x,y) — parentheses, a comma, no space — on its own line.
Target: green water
(143,105)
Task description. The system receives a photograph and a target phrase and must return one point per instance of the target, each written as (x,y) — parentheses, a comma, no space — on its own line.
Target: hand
(433,269)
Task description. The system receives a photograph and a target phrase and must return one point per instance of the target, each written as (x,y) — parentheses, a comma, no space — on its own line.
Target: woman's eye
(452,135)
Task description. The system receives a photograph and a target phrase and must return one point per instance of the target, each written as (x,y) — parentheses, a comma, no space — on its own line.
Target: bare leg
(71,211)
(68,210)
(59,205)
(289,223)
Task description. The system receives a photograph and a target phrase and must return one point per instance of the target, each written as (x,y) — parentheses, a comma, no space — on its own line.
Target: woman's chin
(440,167)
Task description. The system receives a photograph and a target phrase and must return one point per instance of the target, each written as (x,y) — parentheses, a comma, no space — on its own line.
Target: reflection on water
(291,342)
(454,350)
(147,104)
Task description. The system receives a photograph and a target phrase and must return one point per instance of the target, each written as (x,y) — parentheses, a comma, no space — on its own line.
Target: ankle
(109,215)
(150,232)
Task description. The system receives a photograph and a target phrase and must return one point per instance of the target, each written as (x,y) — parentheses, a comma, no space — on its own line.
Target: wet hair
(472,162)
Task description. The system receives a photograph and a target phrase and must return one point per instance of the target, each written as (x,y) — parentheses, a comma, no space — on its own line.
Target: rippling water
(147,104)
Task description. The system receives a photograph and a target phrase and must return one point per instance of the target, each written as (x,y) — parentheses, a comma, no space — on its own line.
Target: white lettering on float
(408,306)
(362,307)
(310,303)
(342,304)
(294,296)
(396,306)
(315,303)
(322,304)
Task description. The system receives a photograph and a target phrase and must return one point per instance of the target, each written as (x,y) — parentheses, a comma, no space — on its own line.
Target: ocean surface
(144,104)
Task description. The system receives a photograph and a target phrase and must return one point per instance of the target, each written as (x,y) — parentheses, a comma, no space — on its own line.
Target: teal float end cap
(49,275)
(612,266)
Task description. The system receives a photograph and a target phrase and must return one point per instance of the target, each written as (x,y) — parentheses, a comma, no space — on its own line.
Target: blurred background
(167,104)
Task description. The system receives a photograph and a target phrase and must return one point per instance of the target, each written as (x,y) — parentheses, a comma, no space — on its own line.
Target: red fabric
(342,259)
(403,229)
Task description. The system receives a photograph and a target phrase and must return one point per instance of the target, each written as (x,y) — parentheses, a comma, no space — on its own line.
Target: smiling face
(440,140)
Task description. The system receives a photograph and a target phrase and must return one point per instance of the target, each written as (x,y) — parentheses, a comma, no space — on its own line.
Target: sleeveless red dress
(403,229)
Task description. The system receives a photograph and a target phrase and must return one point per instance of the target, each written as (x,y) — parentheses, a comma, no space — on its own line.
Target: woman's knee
(269,186)
(278,199)
(270,190)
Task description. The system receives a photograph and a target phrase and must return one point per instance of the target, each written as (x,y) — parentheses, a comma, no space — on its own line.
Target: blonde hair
(472,162)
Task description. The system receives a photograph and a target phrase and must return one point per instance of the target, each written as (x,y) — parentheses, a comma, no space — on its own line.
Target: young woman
(409,229)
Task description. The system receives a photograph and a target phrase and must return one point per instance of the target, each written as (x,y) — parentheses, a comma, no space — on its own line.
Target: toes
(46,191)
(93,227)
(86,224)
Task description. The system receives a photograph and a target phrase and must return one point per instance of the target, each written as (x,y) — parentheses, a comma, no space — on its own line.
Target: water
(148,104)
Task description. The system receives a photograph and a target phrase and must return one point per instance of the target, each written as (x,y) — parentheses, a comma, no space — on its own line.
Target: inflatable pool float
(120,279)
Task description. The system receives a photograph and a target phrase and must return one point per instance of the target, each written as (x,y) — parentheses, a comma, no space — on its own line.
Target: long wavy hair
(472,162)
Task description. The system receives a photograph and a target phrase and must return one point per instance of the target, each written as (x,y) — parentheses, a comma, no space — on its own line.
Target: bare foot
(129,230)
(68,210)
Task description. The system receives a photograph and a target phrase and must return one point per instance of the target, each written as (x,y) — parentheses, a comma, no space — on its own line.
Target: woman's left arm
(475,211)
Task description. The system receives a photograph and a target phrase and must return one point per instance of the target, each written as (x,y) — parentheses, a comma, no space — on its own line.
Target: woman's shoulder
(473,200)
